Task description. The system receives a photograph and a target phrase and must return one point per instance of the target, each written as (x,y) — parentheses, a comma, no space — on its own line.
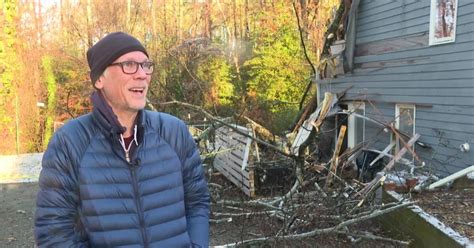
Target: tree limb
(210,116)
(315,232)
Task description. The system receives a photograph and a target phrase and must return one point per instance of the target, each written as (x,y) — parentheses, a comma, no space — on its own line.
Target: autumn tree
(228,56)
(9,68)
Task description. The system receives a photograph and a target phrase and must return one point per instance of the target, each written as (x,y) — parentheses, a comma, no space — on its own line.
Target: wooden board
(233,157)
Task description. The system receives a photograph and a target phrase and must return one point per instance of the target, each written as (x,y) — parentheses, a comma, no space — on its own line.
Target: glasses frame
(121,64)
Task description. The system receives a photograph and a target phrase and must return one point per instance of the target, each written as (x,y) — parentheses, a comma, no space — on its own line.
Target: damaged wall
(394,64)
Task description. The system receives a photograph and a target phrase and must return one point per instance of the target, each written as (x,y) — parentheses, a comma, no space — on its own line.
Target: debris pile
(309,182)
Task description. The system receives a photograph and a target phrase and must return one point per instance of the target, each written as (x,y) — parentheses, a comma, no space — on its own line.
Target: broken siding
(394,64)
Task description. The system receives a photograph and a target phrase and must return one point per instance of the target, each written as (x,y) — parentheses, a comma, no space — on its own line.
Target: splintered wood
(314,120)
(327,104)
(335,162)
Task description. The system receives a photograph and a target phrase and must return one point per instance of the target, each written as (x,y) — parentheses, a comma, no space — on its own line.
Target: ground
(17,210)
(16,213)
(453,207)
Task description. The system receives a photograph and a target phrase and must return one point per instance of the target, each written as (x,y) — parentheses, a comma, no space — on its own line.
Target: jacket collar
(108,121)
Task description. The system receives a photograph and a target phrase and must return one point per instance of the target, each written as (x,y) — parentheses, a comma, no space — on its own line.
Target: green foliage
(51,105)
(194,75)
(8,67)
(216,73)
(277,72)
(250,61)
(7,57)
(174,79)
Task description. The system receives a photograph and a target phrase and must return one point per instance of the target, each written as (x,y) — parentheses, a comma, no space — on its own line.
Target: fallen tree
(317,185)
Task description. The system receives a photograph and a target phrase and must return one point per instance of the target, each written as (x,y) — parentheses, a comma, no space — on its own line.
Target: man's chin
(138,107)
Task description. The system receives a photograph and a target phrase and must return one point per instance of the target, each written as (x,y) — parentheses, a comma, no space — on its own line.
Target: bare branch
(315,232)
(210,116)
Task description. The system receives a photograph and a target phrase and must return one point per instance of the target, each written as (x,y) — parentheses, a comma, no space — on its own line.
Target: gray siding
(394,64)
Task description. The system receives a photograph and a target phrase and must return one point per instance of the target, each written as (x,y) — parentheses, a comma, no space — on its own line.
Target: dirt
(243,228)
(17,211)
(453,207)
(257,226)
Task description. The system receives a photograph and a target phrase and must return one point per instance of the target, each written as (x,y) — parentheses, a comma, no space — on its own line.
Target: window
(356,125)
(443,21)
(405,122)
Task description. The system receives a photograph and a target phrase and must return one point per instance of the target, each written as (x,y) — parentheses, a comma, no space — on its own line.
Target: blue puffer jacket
(90,196)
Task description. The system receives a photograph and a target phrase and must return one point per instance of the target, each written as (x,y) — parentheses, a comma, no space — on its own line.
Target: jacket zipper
(138,204)
(133,170)
(127,157)
(124,146)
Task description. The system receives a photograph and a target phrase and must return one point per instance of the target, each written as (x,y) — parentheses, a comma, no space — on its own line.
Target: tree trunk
(247,26)
(89,23)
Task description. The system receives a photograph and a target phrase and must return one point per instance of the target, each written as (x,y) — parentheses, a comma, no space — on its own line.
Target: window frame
(397,126)
(351,123)
(434,10)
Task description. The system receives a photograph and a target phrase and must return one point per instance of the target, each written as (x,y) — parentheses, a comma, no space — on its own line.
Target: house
(410,63)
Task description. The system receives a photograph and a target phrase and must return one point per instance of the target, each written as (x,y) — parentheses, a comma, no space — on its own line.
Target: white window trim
(397,114)
(397,122)
(433,14)
(351,123)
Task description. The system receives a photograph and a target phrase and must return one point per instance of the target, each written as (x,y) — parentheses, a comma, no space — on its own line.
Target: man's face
(125,93)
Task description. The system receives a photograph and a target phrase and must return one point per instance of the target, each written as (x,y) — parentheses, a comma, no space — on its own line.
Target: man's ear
(99,84)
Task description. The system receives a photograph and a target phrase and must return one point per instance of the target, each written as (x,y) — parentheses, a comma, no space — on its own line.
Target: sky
(49,2)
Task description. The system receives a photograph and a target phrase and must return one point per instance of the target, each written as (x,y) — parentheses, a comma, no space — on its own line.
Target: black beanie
(108,49)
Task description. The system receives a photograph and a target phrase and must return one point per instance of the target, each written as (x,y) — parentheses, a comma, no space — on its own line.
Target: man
(122,176)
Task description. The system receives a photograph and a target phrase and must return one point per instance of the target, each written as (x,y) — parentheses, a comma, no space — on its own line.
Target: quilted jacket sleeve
(57,200)
(196,193)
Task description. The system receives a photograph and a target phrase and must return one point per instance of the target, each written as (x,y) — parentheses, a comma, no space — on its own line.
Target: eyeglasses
(131,67)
